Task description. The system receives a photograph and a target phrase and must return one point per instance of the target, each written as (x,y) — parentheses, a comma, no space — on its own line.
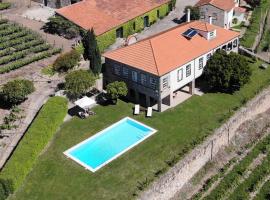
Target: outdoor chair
(137,109)
(149,112)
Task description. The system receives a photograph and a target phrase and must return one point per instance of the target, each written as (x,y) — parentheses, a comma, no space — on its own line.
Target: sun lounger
(137,109)
(149,112)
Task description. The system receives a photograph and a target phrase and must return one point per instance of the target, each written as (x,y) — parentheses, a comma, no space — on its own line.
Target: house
(56,3)
(115,18)
(156,70)
(221,11)
(239,15)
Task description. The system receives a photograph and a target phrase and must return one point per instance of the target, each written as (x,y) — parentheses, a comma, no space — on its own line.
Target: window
(235,43)
(188,70)
(119,32)
(117,70)
(180,75)
(158,14)
(202,14)
(208,56)
(215,16)
(224,47)
(134,76)
(212,34)
(134,26)
(165,82)
(229,46)
(153,82)
(200,63)
(143,79)
(125,72)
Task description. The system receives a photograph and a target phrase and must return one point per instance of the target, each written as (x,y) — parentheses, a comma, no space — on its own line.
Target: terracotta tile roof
(226,5)
(167,51)
(203,27)
(103,15)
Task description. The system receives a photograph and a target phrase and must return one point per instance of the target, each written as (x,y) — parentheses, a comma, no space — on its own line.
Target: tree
(194,12)
(66,61)
(253,3)
(92,51)
(227,72)
(60,26)
(78,82)
(16,91)
(116,89)
(6,188)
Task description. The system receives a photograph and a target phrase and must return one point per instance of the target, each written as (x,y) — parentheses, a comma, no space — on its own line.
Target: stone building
(57,3)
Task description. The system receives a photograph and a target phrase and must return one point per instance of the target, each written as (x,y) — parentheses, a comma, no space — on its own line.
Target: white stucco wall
(228,19)
(174,84)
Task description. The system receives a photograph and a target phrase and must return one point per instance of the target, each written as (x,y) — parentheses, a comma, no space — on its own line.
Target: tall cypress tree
(92,51)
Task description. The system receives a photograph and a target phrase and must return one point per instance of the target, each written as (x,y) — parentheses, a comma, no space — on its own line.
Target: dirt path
(170,183)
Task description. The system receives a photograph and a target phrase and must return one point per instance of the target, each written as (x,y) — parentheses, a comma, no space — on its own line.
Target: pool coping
(67,152)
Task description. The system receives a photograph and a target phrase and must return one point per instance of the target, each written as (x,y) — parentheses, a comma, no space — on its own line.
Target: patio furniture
(149,112)
(137,109)
(85,103)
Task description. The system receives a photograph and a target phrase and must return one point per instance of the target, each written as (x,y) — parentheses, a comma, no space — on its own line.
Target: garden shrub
(35,140)
(66,61)
(6,188)
(16,91)
(4,6)
(78,82)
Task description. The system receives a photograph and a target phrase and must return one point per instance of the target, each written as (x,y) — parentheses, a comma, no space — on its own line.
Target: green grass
(35,140)
(48,70)
(179,129)
(253,29)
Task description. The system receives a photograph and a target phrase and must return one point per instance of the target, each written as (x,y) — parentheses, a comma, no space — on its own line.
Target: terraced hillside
(20,46)
(246,177)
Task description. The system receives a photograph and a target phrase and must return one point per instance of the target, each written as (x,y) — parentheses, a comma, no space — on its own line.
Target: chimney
(210,20)
(188,15)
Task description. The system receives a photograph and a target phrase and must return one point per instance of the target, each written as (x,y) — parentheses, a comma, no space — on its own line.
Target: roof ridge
(150,41)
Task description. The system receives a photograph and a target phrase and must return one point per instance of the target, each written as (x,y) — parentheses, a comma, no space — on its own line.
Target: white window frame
(201,63)
(135,76)
(143,79)
(125,72)
(165,82)
(153,82)
(117,70)
(188,70)
(179,72)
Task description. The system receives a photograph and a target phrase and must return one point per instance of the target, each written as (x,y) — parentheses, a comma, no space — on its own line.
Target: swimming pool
(105,146)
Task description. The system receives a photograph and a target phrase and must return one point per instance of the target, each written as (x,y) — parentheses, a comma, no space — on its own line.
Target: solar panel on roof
(190,33)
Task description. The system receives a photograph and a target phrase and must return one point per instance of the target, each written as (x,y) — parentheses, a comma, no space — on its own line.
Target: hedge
(35,140)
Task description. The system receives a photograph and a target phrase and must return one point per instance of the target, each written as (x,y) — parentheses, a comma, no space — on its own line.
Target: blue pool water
(105,146)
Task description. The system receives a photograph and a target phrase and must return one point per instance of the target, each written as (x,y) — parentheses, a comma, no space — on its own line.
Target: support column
(159,104)
(147,101)
(192,87)
(137,96)
(171,98)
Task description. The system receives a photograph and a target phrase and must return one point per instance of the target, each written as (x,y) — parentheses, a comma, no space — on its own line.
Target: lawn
(179,129)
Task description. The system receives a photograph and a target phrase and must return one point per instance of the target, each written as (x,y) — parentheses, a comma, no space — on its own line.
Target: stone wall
(167,186)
